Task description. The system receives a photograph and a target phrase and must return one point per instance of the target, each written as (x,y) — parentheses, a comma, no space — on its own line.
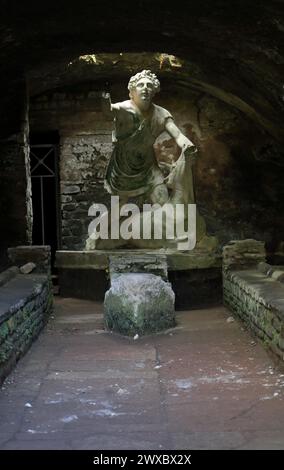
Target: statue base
(196,276)
(176,260)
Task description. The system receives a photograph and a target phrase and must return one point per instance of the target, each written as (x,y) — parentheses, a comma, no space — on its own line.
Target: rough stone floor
(203,385)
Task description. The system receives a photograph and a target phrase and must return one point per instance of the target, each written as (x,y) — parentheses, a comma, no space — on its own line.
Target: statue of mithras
(134,171)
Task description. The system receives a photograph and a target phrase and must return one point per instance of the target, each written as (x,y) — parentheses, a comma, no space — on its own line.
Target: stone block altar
(140,299)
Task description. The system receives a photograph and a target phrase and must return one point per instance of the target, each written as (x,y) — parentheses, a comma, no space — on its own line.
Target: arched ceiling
(231,49)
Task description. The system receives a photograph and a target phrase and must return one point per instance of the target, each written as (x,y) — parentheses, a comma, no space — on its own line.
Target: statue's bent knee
(159,195)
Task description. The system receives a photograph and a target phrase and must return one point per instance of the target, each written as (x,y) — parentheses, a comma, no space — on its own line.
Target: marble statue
(133,170)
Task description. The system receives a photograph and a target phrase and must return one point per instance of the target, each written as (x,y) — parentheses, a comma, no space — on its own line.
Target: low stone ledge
(261,288)
(258,301)
(25,305)
(176,261)
(195,276)
(252,292)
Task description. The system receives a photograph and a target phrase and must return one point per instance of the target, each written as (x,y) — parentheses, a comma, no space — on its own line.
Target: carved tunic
(133,169)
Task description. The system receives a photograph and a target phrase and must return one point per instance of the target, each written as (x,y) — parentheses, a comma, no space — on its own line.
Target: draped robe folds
(133,169)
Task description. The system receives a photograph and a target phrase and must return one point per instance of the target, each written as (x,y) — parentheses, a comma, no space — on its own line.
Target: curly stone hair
(144,74)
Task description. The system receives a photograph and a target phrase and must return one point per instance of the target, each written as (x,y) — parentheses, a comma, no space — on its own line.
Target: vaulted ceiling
(231,49)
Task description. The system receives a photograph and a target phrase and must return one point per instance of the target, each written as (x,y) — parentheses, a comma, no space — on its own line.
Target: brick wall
(21,322)
(253,296)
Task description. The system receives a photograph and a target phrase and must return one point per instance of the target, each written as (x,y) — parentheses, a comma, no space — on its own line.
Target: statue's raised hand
(105,95)
(106,103)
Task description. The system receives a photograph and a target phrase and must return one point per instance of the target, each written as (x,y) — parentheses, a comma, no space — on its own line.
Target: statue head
(142,87)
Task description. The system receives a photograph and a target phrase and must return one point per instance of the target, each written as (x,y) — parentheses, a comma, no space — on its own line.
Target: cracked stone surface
(205,384)
(139,303)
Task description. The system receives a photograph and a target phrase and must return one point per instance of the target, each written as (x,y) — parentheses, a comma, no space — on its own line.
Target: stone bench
(25,305)
(254,292)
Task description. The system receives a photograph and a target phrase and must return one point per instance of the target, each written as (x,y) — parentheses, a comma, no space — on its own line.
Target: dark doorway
(45,190)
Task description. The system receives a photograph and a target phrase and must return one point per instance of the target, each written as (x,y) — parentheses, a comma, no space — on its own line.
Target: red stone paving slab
(206,384)
(191,391)
(242,415)
(125,366)
(78,421)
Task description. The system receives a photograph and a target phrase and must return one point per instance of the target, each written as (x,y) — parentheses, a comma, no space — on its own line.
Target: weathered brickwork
(253,295)
(262,315)
(21,322)
(84,151)
(82,168)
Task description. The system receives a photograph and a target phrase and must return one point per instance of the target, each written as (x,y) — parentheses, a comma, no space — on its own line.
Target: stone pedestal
(139,301)
(195,275)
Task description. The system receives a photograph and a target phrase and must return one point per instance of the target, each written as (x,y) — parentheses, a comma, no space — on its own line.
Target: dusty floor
(203,385)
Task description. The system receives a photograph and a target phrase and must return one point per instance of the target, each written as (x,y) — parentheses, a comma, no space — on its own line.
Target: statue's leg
(159,195)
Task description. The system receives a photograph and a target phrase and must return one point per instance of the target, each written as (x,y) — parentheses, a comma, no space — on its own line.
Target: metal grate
(44,164)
